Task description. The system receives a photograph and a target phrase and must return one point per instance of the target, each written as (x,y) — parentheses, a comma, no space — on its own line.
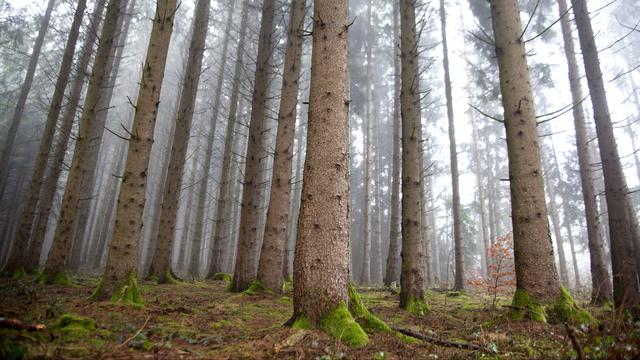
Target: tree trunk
(412,274)
(574,258)
(626,291)
(483,209)
(600,280)
(10,139)
(321,264)
(276,228)
(453,153)
(393,256)
(223,206)
(32,194)
(295,201)
(88,130)
(247,254)
(161,263)
(204,183)
(122,260)
(536,275)
(57,161)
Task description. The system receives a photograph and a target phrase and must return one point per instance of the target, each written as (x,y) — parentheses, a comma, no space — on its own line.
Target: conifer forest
(320,179)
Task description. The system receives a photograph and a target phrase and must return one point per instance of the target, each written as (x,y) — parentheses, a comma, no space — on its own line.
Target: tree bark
(276,228)
(412,274)
(395,242)
(626,291)
(32,194)
(161,263)
(601,287)
(453,154)
(247,254)
(223,206)
(536,273)
(321,264)
(10,139)
(88,130)
(486,242)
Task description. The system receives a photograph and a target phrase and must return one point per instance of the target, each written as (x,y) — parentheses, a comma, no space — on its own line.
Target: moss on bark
(61,278)
(341,325)
(563,309)
(128,293)
(223,276)
(416,306)
(256,287)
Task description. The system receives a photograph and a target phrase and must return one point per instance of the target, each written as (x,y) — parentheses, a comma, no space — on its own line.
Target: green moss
(170,278)
(341,325)
(60,278)
(255,287)
(362,315)
(416,306)
(222,276)
(287,285)
(285,300)
(74,326)
(18,273)
(524,307)
(302,322)
(129,292)
(565,309)
(154,278)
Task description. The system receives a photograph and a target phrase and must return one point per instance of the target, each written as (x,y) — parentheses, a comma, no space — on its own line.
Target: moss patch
(74,326)
(60,278)
(169,278)
(565,309)
(129,292)
(302,322)
(287,285)
(222,276)
(256,287)
(341,325)
(18,273)
(416,306)
(525,307)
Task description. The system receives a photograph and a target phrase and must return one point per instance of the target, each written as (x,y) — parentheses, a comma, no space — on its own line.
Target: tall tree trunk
(66,124)
(9,142)
(185,244)
(88,190)
(626,291)
(88,131)
(536,275)
(35,184)
(247,254)
(223,206)
(601,287)
(295,201)
(204,183)
(453,153)
(321,264)
(161,263)
(412,274)
(486,264)
(574,257)
(120,275)
(276,228)
(393,256)
(377,270)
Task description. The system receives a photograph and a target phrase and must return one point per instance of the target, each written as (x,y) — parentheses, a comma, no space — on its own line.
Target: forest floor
(203,320)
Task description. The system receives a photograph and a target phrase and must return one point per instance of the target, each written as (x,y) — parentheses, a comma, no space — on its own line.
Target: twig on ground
(137,332)
(437,341)
(574,341)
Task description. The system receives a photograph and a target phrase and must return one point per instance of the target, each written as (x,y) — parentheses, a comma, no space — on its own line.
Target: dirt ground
(203,320)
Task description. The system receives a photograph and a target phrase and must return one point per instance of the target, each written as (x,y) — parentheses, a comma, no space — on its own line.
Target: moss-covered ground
(203,320)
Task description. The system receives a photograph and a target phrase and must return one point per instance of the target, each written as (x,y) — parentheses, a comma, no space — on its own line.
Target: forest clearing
(326,179)
(218,324)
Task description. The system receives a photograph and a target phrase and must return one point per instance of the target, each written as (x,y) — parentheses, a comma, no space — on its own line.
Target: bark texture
(122,260)
(57,259)
(246,266)
(536,273)
(626,291)
(161,263)
(321,263)
(276,228)
(412,275)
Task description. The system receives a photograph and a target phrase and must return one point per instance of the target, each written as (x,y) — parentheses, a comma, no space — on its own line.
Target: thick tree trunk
(246,266)
(393,256)
(536,274)
(9,142)
(161,263)
(35,184)
(57,161)
(276,229)
(412,275)
(122,260)
(321,264)
(204,182)
(626,291)
(453,154)
(601,287)
(223,206)
(88,132)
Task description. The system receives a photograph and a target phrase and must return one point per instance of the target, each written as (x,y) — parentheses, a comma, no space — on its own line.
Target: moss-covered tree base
(416,306)
(222,277)
(338,323)
(256,287)
(61,278)
(128,293)
(563,309)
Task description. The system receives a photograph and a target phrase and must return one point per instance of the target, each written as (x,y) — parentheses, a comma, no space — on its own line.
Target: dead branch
(433,340)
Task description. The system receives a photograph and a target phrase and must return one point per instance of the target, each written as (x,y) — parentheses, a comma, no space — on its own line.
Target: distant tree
(119,279)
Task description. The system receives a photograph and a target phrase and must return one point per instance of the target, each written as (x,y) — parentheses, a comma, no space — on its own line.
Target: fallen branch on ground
(16,324)
(437,341)
(574,341)
(137,332)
